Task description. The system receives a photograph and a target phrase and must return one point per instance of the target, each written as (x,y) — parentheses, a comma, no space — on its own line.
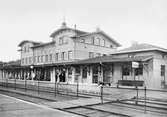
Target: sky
(144,21)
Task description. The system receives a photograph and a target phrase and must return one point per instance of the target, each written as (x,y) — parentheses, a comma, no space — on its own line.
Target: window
(77,70)
(126,70)
(42,58)
(98,54)
(46,58)
(22,61)
(25,49)
(95,74)
(63,40)
(69,55)
(162,70)
(26,62)
(28,48)
(139,71)
(92,40)
(50,56)
(38,59)
(97,41)
(163,56)
(30,61)
(60,40)
(56,56)
(63,56)
(34,59)
(84,72)
(91,55)
(102,42)
(131,55)
(70,71)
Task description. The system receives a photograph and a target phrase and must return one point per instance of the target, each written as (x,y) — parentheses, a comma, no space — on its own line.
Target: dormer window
(102,42)
(63,40)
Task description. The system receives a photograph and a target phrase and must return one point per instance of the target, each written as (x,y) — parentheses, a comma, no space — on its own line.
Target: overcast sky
(124,20)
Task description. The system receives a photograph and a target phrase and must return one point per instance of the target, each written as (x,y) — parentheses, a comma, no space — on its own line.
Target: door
(95,74)
(107,73)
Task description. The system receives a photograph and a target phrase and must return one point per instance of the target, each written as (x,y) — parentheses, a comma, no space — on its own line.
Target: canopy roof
(111,59)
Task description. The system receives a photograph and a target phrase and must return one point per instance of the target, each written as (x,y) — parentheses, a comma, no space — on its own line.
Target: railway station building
(88,58)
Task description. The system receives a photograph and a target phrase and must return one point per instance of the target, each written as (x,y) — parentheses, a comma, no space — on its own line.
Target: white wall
(82,50)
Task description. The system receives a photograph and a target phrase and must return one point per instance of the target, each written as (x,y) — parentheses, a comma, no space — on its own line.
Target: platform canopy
(111,59)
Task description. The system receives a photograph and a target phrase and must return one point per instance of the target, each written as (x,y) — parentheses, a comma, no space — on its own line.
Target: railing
(41,86)
(108,93)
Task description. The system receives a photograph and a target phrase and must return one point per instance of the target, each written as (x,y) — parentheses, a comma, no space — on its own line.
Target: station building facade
(53,61)
(75,56)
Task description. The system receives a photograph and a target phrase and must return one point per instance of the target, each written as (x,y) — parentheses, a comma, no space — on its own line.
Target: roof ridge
(66,28)
(36,42)
(141,47)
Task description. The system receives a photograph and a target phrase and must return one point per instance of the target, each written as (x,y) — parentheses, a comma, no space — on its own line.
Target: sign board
(135,65)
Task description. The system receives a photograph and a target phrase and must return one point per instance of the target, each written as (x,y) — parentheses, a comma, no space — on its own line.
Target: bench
(131,83)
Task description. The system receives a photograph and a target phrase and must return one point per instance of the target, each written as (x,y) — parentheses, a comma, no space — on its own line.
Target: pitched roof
(79,32)
(12,63)
(26,41)
(43,44)
(140,48)
(111,59)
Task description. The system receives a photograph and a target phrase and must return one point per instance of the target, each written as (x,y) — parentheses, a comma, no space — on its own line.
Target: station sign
(135,64)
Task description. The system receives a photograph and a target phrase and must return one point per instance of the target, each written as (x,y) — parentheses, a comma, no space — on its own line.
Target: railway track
(115,109)
(88,111)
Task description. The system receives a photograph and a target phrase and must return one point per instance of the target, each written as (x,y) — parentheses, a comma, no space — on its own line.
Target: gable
(97,39)
(108,41)
(67,33)
(26,47)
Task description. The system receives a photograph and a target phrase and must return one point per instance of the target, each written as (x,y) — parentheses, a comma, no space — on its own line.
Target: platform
(12,107)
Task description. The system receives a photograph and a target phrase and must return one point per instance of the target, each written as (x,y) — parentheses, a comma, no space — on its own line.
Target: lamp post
(134,66)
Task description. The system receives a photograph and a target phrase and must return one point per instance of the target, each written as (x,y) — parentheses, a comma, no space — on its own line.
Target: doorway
(95,74)
(108,73)
(62,76)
